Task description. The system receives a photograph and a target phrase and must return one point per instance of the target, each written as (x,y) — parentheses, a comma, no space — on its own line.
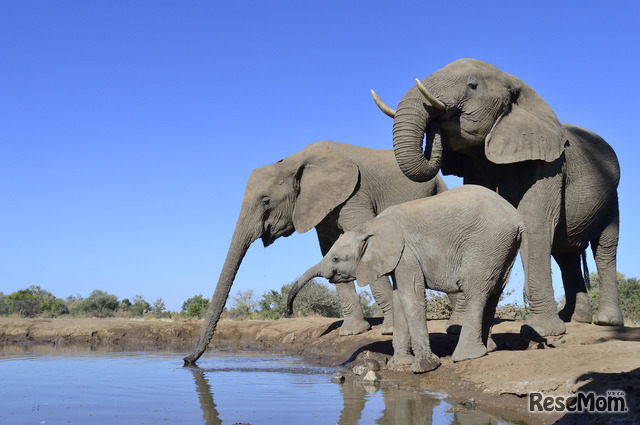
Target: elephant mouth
(269,236)
(340,278)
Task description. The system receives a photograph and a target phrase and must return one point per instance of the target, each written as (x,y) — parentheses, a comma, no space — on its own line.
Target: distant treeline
(315,298)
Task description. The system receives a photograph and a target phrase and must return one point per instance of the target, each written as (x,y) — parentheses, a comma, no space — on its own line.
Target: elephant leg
(604,252)
(577,307)
(458,302)
(487,321)
(354,322)
(470,344)
(401,338)
(543,319)
(383,294)
(412,296)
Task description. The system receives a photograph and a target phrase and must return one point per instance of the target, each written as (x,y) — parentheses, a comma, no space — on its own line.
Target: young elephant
(463,240)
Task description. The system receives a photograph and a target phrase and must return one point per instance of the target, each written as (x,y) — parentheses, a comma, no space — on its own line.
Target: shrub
(97,304)
(31,302)
(194,307)
(315,298)
(140,306)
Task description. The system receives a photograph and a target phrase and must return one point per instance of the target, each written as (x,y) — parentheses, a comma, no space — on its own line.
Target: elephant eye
(472,84)
(266,202)
(335,259)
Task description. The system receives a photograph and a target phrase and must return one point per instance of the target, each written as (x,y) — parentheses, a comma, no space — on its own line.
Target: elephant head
(294,194)
(475,109)
(365,254)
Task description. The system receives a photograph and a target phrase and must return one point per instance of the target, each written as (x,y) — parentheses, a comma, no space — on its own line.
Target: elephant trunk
(411,122)
(299,284)
(240,242)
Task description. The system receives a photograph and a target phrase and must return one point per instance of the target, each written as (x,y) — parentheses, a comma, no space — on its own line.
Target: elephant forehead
(471,66)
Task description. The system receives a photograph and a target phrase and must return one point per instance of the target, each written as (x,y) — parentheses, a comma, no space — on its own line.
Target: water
(46,385)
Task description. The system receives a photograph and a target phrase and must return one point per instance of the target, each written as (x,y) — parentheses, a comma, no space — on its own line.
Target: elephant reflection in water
(205,396)
(400,406)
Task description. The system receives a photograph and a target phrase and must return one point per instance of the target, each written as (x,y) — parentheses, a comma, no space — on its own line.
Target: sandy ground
(586,358)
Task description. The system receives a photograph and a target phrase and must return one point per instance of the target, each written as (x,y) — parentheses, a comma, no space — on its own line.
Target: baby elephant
(463,240)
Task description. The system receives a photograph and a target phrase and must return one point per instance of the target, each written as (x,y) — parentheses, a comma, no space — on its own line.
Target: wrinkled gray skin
(332,187)
(497,132)
(464,240)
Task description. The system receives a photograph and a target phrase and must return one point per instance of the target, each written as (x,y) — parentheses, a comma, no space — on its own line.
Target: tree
(369,307)
(140,306)
(243,304)
(97,304)
(194,307)
(33,301)
(158,308)
(316,298)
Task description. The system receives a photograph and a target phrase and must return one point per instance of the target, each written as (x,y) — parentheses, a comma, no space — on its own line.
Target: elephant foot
(582,312)
(400,361)
(579,312)
(387,326)
(609,316)
(566,313)
(538,325)
(425,364)
(353,327)
(468,351)
(491,345)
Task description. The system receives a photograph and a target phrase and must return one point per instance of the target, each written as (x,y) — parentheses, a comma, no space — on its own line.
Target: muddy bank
(587,358)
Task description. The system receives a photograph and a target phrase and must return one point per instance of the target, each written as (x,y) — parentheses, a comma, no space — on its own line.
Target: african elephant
(464,240)
(494,130)
(332,187)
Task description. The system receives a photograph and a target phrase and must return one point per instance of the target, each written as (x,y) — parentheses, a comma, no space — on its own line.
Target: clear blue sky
(128,129)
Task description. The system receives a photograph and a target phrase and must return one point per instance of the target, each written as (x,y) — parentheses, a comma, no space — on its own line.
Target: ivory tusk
(383,107)
(431,98)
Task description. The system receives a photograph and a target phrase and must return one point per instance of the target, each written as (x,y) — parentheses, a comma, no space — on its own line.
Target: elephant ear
(527,130)
(326,179)
(383,247)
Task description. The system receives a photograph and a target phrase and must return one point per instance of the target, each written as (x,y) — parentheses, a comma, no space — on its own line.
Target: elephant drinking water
(330,186)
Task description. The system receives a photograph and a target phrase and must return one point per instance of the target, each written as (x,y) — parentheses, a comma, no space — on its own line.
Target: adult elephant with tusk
(494,130)
(330,186)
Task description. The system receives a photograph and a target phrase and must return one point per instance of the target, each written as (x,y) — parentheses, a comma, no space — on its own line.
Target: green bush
(140,306)
(315,298)
(97,304)
(194,307)
(31,302)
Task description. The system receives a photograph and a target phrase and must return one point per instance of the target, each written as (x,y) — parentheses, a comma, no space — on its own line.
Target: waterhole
(76,385)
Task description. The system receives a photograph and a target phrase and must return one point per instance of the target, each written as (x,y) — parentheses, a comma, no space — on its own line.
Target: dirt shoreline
(586,358)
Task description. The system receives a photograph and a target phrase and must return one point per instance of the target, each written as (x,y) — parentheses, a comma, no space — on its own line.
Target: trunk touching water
(409,127)
(302,280)
(240,242)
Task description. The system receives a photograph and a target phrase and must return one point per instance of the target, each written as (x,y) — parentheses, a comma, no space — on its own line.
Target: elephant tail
(585,269)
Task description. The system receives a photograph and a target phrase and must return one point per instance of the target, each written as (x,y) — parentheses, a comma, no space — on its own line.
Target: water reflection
(69,385)
(207,405)
(400,406)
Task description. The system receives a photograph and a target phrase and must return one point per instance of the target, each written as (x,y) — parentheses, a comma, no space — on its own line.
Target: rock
(338,378)
(371,377)
(469,404)
(366,366)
